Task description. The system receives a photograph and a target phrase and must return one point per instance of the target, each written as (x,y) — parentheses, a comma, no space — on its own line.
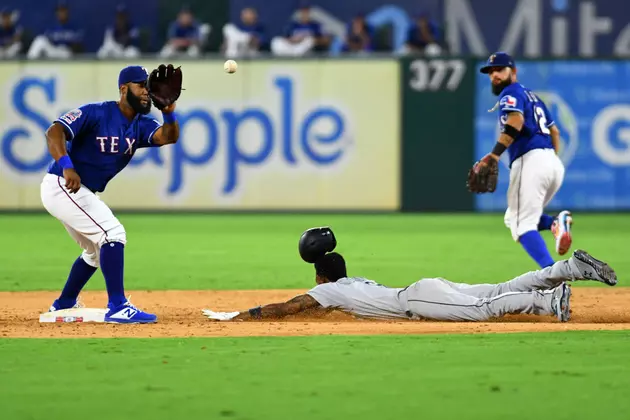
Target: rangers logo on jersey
(71,116)
(508,100)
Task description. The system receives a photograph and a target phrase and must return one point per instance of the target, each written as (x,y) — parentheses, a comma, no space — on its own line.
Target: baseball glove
(164,85)
(483,176)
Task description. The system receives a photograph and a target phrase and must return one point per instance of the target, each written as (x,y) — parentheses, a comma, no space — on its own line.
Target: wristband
(256,312)
(65,162)
(499,148)
(169,118)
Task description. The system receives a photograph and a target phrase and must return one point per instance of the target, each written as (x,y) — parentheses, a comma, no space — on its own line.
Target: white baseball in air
(230,66)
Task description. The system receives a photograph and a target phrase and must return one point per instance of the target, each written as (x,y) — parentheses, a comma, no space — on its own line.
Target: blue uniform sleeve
(317,29)
(77,120)
(513,101)
(148,126)
(260,33)
(172,31)
(290,29)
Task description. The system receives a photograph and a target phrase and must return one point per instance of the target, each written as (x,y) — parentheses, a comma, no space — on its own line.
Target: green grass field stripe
(572,375)
(253,251)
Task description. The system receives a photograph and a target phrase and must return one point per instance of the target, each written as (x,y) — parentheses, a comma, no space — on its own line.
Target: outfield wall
(365,134)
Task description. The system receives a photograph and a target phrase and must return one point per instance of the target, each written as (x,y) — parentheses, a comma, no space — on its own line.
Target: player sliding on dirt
(542,292)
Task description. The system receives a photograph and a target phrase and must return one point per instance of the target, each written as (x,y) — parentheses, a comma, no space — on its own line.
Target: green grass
(260,251)
(517,376)
(577,375)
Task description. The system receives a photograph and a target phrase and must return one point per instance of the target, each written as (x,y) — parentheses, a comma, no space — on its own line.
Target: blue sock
(112,266)
(536,248)
(545,222)
(79,275)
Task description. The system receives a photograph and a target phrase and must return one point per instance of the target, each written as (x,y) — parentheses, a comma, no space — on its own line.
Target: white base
(74,315)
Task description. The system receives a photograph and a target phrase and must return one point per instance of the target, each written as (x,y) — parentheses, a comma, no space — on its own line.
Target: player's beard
(497,89)
(136,104)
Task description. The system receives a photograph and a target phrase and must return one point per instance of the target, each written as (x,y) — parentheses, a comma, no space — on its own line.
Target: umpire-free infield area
(180,315)
(188,262)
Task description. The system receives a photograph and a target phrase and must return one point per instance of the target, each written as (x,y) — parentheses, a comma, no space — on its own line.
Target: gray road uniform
(442,300)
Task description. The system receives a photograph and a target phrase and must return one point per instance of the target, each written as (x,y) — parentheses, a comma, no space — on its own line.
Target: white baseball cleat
(561,229)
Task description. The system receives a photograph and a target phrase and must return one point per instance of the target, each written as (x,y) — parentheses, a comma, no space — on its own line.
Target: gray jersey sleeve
(359,296)
(327,295)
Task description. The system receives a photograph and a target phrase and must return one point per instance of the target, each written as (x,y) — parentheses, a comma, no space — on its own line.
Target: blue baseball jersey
(257,30)
(101,141)
(64,34)
(535,133)
(126,36)
(369,31)
(188,32)
(414,35)
(7,35)
(311,28)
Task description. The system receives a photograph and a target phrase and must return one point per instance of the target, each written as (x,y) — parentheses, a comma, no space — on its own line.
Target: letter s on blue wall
(14,134)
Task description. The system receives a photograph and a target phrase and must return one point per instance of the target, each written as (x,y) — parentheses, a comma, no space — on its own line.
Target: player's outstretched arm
(168,133)
(294,306)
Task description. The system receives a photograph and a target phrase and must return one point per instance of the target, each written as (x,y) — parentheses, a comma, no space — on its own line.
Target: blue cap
(498,59)
(133,74)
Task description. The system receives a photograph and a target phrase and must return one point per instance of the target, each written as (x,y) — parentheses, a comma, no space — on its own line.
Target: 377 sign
(436,74)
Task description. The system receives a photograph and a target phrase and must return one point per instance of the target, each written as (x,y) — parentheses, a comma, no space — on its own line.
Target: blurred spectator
(10,35)
(360,36)
(423,37)
(301,37)
(185,36)
(121,39)
(60,41)
(244,38)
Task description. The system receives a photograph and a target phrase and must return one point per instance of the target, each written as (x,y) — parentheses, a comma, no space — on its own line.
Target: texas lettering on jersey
(111,145)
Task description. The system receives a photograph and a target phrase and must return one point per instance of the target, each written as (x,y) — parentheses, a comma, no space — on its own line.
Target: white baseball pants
(88,220)
(535,178)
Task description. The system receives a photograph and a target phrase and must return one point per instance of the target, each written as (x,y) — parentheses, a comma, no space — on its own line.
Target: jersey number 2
(539,113)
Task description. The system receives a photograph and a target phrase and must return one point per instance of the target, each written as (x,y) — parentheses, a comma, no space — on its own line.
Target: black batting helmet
(316,242)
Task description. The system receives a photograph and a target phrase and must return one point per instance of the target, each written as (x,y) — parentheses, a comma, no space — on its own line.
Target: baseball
(230,66)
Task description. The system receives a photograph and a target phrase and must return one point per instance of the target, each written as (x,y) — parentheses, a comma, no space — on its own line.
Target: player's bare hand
(73,180)
(170,108)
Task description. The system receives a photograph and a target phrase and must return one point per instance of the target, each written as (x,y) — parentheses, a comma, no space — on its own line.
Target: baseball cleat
(561,229)
(560,302)
(60,305)
(127,313)
(593,269)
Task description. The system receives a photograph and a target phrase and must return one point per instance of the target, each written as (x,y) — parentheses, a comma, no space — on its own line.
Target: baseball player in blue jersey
(531,139)
(90,145)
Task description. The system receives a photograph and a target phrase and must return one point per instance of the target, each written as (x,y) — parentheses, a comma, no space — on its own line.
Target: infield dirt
(179,315)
